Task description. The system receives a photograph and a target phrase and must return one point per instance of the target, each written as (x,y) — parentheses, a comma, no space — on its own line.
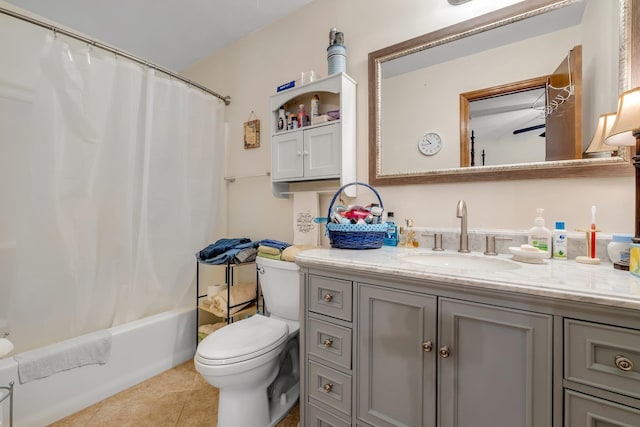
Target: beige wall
(250,70)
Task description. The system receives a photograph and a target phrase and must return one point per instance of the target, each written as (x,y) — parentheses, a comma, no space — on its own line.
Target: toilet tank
(280,283)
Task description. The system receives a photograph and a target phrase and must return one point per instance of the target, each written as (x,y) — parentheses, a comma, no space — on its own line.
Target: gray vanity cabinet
(396,376)
(471,364)
(582,410)
(494,366)
(602,374)
(387,346)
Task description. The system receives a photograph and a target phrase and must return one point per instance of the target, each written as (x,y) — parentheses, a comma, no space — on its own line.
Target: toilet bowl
(254,362)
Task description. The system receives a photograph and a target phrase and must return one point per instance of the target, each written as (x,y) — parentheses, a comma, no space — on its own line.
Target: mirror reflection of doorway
(508,128)
(534,120)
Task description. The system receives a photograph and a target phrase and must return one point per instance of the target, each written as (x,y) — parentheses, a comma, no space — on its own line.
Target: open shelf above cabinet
(322,151)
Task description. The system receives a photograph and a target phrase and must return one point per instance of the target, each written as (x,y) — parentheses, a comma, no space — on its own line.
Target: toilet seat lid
(243,340)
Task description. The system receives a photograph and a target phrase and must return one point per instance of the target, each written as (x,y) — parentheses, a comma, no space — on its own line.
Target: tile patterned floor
(179,397)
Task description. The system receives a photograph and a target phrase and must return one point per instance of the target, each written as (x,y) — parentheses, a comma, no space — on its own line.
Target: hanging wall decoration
(252,132)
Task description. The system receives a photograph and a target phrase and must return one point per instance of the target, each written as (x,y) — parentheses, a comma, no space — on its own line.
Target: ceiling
(169,33)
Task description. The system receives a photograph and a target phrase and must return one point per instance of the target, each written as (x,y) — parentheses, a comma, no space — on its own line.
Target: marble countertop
(599,284)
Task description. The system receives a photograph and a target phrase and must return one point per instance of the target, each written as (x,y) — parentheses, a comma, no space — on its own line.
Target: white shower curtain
(117,192)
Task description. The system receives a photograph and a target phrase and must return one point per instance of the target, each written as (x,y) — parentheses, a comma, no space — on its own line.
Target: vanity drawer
(582,410)
(321,418)
(332,297)
(603,356)
(330,342)
(330,387)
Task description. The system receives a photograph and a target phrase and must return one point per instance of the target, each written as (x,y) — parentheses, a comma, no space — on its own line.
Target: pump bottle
(539,235)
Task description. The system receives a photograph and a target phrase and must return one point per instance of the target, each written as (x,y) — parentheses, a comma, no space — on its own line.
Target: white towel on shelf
(305,209)
(89,349)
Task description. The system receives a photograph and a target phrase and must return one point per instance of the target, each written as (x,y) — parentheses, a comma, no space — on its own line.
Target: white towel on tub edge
(89,349)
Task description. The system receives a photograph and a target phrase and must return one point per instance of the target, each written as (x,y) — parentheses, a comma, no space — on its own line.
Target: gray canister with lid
(337,58)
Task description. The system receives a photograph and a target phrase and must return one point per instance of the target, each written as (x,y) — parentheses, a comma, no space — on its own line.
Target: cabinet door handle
(327,387)
(328,297)
(444,352)
(305,153)
(623,363)
(327,343)
(299,153)
(427,346)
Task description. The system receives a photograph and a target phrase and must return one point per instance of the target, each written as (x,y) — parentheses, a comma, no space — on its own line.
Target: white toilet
(254,362)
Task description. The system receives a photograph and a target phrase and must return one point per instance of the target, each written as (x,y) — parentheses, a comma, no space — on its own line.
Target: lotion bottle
(315,106)
(539,235)
(560,241)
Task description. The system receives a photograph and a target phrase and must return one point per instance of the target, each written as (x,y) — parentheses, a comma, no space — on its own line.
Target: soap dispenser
(539,235)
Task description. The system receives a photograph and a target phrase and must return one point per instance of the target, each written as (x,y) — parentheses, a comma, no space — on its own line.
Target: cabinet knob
(328,297)
(623,363)
(327,387)
(427,346)
(444,352)
(305,153)
(299,153)
(327,343)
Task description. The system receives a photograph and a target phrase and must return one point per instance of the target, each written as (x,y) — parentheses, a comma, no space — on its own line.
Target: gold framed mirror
(393,145)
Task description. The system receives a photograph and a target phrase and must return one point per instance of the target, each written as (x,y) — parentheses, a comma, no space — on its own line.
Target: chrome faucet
(461,212)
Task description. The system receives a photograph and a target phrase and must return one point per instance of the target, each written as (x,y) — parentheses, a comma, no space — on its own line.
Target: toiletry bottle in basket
(391,239)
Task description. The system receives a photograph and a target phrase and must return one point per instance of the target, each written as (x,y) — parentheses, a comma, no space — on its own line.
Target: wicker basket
(355,236)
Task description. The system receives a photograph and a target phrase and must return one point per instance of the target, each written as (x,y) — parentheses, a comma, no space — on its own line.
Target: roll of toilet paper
(213,290)
(6,347)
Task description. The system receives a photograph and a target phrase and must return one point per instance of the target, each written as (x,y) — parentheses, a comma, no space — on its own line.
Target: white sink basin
(455,261)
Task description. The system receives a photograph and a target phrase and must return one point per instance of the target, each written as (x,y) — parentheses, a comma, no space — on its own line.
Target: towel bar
(10,396)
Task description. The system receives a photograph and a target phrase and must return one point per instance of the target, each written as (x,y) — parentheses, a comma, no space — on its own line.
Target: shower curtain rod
(225,99)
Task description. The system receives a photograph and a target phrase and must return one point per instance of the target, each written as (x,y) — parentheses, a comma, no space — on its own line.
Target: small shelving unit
(230,279)
(323,151)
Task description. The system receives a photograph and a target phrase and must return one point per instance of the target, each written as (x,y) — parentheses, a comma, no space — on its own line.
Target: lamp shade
(605,122)
(627,119)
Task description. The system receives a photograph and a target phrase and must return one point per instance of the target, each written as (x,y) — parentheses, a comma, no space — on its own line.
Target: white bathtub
(139,350)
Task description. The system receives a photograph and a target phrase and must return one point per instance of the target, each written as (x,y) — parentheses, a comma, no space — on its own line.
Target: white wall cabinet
(313,153)
(316,152)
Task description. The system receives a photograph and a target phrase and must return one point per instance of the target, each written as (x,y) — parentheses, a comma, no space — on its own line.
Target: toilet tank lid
(285,265)
(243,340)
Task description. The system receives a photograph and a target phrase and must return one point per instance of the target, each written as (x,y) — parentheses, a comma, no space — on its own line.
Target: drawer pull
(444,352)
(327,387)
(327,343)
(328,297)
(623,363)
(427,346)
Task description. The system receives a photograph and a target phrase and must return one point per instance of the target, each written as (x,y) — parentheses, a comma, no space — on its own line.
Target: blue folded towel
(219,247)
(224,250)
(274,244)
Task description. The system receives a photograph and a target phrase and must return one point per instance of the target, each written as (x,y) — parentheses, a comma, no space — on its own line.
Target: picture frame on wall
(252,133)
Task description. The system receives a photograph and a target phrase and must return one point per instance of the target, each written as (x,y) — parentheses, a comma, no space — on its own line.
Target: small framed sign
(252,132)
